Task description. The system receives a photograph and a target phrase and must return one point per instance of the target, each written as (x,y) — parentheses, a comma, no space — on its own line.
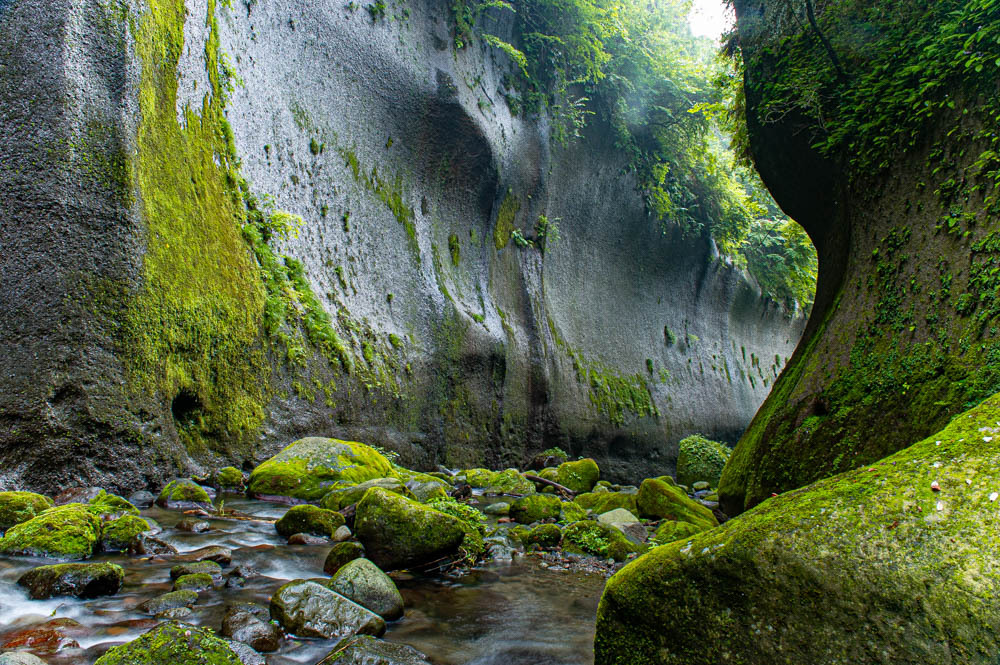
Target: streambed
(511,611)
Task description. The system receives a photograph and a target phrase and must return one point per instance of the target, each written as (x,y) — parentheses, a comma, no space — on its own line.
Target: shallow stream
(509,612)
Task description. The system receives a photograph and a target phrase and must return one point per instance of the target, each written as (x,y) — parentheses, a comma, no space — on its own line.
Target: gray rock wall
(400,155)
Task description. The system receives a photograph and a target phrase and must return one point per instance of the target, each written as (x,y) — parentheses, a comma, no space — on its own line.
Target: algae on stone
(535,507)
(17,507)
(309,468)
(172,643)
(71,531)
(309,519)
(700,459)
(658,500)
(579,476)
(117,534)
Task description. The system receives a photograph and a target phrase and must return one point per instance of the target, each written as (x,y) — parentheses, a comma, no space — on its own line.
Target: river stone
(169,601)
(341,534)
(339,499)
(309,468)
(543,535)
(17,507)
(367,650)
(428,491)
(193,525)
(509,481)
(363,582)
(309,519)
(341,554)
(700,460)
(63,532)
(172,643)
(144,544)
(117,534)
(617,516)
(602,502)
(251,624)
(204,567)
(111,506)
(400,533)
(142,499)
(83,580)
(597,539)
(183,493)
(195,582)
(658,500)
(534,508)
(579,476)
(306,539)
(20,658)
(246,654)
(308,609)
(229,477)
(500,508)
(216,553)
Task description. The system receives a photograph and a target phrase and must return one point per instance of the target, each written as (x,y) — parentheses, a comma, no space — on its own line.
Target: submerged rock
(144,544)
(309,519)
(216,553)
(251,624)
(183,493)
(658,500)
(363,582)
(534,508)
(368,650)
(400,533)
(64,532)
(310,468)
(17,507)
(308,609)
(172,643)
(869,566)
(83,580)
(195,582)
(193,525)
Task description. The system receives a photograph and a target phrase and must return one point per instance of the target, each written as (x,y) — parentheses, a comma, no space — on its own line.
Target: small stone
(700,485)
(169,601)
(341,534)
(246,654)
(365,650)
(196,582)
(220,555)
(499,508)
(193,525)
(250,624)
(210,568)
(145,545)
(940,505)
(306,539)
(175,613)
(994,496)
(141,499)
(20,658)
(935,487)
(340,555)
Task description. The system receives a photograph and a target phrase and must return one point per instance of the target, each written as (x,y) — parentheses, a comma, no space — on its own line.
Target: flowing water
(508,612)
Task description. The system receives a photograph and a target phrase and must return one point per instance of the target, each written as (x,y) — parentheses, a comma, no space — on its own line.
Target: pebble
(193,525)
(306,539)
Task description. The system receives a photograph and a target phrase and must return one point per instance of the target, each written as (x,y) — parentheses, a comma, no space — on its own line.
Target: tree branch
(826,43)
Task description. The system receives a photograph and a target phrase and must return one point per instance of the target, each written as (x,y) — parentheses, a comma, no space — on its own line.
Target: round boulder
(363,582)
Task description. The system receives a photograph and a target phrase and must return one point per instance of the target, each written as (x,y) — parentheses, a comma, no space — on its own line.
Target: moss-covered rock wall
(233,223)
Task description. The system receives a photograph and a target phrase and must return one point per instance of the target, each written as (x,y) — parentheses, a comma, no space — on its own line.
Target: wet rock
(658,500)
(544,535)
(251,624)
(20,658)
(111,506)
(118,534)
(543,460)
(194,582)
(306,539)
(341,554)
(220,555)
(64,532)
(210,568)
(700,486)
(238,576)
(535,508)
(46,638)
(169,601)
(309,519)
(368,650)
(182,494)
(175,613)
(339,499)
(579,476)
(363,582)
(308,609)
(173,643)
(229,478)
(145,545)
(425,492)
(510,481)
(341,534)
(400,533)
(309,468)
(17,507)
(142,499)
(246,654)
(499,509)
(193,525)
(76,495)
(83,580)
(634,531)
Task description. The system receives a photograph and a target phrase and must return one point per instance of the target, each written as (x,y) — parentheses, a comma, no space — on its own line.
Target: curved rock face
(149,336)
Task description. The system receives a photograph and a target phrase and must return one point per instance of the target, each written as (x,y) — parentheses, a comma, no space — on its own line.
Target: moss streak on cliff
(194,327)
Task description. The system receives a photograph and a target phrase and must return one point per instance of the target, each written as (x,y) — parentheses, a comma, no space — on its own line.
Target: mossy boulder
(204,567)
(543,535)
(169,601)
(363,582)
(309,519)
(596,539)
(401,533)
(183,493)
(308,609)
(194,582)
(172,643)
(572,512)
(602,502)
(117,534)
(342,497)
(477,478)
(428,492)
(111,506)
(341,555)
(869,566)
(700,459)
(658,500)
(229,478)
(579,476)
(671,530)
(510,481)
(310,468)
(83,580)
(17,507)
(63,532)
(536,507)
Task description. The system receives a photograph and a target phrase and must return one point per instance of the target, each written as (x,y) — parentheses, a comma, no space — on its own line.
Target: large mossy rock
(83,580)
(183,493)
(579,476)
(64,532)
(602,502)
(308,609)
(309,468)
(172,643)
(400,533)
(111,506)
(363,582)
(597,539)
(700,459)
(17,507)
(340,498)
(309,519)
(870,566)
(117,534)
(658,500)
(535,508)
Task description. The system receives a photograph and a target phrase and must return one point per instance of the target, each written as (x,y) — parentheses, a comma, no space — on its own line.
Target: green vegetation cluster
(662,92)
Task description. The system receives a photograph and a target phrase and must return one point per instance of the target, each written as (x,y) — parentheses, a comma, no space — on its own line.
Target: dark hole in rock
(185,407)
